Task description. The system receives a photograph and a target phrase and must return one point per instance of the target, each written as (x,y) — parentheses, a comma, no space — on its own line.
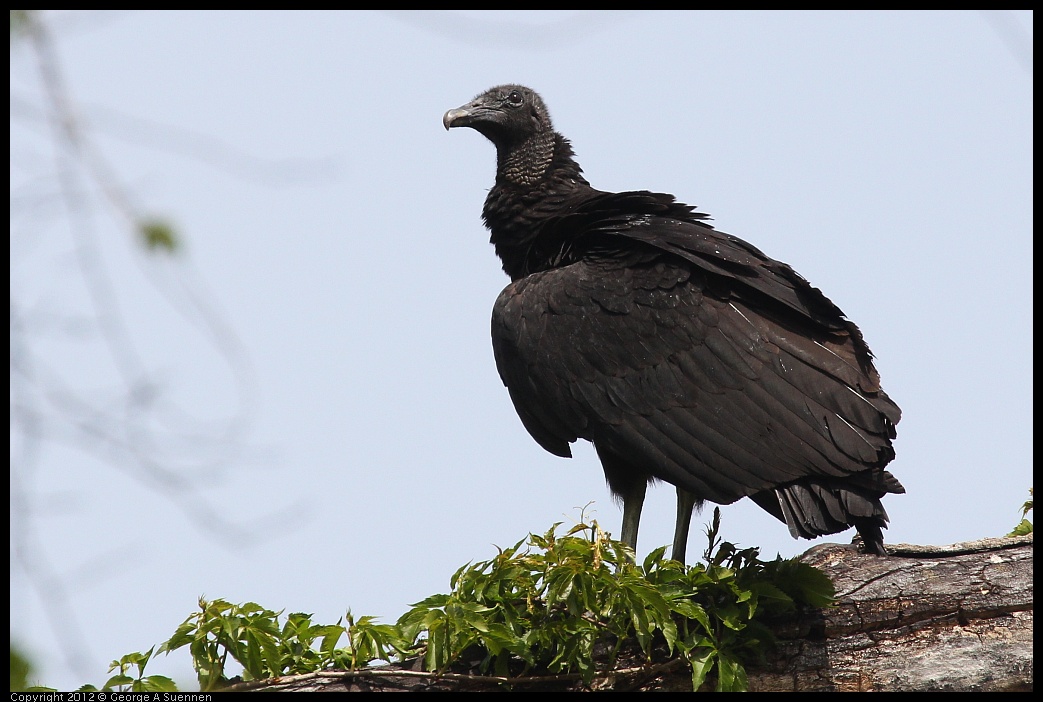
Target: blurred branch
(119,412)
(201,148)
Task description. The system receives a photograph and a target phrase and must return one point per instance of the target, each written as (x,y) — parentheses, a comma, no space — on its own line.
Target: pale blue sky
(348,416)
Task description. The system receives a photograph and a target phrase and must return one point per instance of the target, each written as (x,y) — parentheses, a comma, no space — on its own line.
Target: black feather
(683,353)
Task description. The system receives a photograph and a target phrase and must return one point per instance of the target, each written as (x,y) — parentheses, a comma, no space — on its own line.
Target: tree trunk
(951,618)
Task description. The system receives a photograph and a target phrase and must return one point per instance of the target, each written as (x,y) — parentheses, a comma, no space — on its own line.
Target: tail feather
(816,507)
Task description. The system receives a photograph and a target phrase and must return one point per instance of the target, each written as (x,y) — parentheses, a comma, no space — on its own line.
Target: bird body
(682,353)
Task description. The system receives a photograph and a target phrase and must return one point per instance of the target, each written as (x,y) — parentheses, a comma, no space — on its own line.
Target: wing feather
(699,391)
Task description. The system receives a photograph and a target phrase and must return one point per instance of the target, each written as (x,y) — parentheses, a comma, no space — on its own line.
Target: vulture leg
(633,500)
(686,502)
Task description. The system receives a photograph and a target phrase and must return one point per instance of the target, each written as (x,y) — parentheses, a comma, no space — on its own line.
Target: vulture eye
(514,97)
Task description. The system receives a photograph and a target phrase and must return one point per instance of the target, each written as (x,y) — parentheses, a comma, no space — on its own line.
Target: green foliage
(123,681)
(575,603)
(19,21)
(253,637)
(156,234)
(560,601)
(1024,527)
(21,671)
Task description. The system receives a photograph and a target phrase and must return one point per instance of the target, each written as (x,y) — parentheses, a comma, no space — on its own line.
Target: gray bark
(922,619)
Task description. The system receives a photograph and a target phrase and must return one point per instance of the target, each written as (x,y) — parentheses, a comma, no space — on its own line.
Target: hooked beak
(456,118)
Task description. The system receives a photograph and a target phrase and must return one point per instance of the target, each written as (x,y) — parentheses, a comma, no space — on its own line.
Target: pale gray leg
(686,502)
(633,500)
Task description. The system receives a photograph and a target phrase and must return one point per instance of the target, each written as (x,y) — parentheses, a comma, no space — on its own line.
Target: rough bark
(924,618)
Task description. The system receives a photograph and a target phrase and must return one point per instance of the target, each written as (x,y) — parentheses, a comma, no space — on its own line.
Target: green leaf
(158,683)
(271,654)
(701,662)
(731,676)
(1023,528)
(771,595)
(158,235)
(117,681)
(182,637)
(809,584)
(653,558)
(331,637)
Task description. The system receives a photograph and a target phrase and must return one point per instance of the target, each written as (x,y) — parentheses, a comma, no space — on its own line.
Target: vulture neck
(534,180)
(523,164)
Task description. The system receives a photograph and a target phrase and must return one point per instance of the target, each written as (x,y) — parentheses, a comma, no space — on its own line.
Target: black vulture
(682,353)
